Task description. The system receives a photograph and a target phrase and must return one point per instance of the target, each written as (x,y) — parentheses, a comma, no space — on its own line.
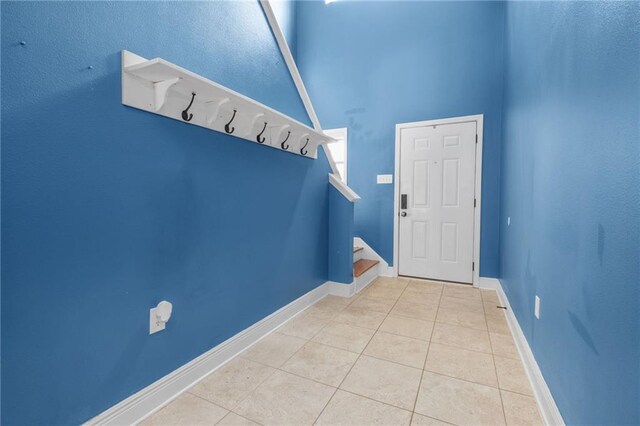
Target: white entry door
(437,180)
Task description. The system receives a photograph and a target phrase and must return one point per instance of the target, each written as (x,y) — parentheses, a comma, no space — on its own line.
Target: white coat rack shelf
(163,88)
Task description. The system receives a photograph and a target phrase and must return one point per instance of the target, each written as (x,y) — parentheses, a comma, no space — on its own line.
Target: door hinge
(473,266)
(476,138)
(474,203)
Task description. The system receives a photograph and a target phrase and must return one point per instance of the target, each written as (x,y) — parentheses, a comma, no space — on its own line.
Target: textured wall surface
(370,65)
(571,184)
(285,12)
(107,210)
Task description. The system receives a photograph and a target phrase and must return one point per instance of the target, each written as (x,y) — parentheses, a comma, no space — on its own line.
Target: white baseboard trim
(388,272)
(488,283)
(548,408)
(150,399)
(383,267)
(341,290)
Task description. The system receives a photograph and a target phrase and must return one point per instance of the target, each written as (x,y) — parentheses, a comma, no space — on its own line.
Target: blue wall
(571,183)
(285,12)
(107,210)
(370,65)
(340,237)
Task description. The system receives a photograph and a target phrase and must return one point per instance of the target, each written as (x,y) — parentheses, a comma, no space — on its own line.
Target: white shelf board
(163,88)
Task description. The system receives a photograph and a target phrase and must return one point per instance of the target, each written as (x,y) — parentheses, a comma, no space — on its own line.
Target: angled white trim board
(150,399)
(338,184)
(295,74)
(163,88)
(479,119)
(548,407)
(291,63)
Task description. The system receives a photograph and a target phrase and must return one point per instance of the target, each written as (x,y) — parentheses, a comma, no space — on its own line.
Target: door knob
(403,214)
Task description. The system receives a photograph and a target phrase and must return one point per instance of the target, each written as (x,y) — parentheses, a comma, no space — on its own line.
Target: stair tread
(357,249)
(362,266)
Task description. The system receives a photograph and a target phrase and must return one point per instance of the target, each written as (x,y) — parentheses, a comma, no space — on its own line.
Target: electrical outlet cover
(155,324)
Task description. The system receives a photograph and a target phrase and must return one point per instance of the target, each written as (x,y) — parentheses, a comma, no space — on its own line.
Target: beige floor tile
(374,304)
(426,286)
(490,296)
(462,337)
(347,409)
(383,381)
(274,349)
(331,300)
(503,345)
(520,410)
(304,326)
(233,382)
(392,281)
(232,419)
(285,399)
(458,401)
(391,293)
(457,303)
(498,324)
(462,318)
(462,291)
(400,349)
(511,375)
(408,327)
(324,364)
(463,364)
(344,336)
(411,295)
(187,409)
(360,317)
(420,420)
(323,312)
(414,310)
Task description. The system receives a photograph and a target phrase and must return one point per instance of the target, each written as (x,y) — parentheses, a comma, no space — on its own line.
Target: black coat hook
(282,145)
(261,140)
(226,126)
(185,114)
(303,151)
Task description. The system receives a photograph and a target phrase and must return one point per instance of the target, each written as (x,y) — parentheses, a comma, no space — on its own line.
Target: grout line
(350,369)
(202,398)
(239,415)
(361,354)
(495,368)
(275,369)
(424,364)
(365,348)
(374,400)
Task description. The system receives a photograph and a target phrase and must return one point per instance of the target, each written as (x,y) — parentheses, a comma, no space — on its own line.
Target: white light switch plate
(385,179)
(536,308)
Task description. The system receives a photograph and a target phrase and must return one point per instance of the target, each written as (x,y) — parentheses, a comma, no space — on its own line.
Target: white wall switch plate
(385,179)
(536,308)
(509,221)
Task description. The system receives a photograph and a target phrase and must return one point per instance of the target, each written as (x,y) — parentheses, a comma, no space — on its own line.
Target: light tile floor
(401,352)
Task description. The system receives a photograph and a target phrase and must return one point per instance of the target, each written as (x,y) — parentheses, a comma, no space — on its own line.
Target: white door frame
(478,119)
